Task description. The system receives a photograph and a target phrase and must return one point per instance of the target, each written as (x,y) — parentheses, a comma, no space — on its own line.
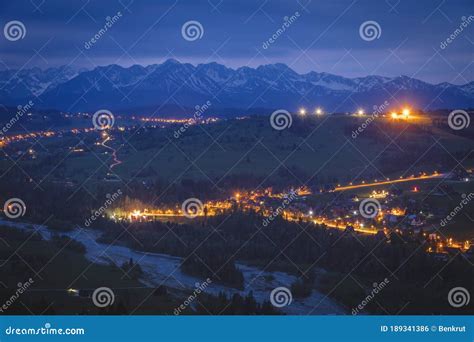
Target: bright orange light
(406,112)
(394,115)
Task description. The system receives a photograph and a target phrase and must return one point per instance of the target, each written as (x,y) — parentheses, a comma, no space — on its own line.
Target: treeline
(302,248)
(233,305)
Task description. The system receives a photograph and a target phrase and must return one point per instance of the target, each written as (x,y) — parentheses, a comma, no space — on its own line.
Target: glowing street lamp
(302,111)
(319,111)
(360,112)
(394,115)
(406,113)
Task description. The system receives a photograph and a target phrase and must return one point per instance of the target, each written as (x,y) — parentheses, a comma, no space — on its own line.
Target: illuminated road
(115,160)
(327,223)
(145,214)
(409,179)
(338,226)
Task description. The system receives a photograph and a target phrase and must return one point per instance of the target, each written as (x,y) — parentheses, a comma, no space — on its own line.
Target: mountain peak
(267,86)
(171,61)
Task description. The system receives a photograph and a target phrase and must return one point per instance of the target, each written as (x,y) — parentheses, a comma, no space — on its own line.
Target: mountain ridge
(267,86)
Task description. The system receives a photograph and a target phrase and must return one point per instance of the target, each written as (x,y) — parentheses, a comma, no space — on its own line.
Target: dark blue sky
(325,36)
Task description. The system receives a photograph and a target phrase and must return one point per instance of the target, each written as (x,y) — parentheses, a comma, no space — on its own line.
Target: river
(162,269)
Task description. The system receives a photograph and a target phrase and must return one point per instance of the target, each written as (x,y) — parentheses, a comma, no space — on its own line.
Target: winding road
(115,160)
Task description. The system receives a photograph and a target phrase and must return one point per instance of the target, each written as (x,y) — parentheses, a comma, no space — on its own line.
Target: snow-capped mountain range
(272,86)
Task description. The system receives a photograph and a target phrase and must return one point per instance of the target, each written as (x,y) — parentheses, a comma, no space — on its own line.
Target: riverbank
(164,270)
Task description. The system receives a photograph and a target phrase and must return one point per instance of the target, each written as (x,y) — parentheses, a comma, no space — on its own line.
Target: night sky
(324,36)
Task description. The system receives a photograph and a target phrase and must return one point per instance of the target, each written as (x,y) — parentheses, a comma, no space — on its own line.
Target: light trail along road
(115,160)
(401,180)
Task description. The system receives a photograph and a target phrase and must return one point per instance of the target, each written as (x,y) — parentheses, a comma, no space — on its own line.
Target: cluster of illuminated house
(342,213)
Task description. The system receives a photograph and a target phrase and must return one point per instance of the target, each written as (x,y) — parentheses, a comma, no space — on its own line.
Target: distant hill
(157,88)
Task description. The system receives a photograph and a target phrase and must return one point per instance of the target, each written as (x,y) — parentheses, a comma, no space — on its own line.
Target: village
(382,211)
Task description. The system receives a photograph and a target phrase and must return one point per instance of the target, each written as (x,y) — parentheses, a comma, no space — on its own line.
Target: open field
(313,151)
(228,155)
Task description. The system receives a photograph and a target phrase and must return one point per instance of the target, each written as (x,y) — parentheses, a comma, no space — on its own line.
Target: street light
(302,111)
